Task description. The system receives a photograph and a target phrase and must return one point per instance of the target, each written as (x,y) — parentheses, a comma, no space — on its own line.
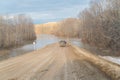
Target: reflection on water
(42,40)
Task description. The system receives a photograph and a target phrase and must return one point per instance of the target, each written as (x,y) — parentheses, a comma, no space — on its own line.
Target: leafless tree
(16,31)
(100,24)
(68,28)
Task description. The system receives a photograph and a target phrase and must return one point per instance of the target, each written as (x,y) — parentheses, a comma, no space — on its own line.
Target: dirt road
(50,63)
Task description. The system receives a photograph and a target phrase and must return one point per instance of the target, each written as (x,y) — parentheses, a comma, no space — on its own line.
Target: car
(62,43)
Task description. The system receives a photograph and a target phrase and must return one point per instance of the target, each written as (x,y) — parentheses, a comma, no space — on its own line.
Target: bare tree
(16,30)
(68,28)
(100,24)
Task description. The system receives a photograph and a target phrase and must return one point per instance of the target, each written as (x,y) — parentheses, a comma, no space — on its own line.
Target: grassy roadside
(109,68)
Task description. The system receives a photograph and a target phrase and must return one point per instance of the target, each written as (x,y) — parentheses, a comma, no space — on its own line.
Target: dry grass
(3,52)
(109,68)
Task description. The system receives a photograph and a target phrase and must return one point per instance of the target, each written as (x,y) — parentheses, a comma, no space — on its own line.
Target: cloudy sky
(43,11)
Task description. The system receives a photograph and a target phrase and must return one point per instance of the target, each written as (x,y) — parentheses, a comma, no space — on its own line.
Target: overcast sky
(43,11)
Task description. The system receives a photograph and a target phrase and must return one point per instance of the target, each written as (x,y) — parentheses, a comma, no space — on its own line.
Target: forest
(68,28)
(16,30)
(100,24)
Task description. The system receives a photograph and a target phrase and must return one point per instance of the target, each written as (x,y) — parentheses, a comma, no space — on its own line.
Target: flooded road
(41,41)
(51,63)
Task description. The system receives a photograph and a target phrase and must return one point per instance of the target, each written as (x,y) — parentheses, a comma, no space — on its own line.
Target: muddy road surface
(50,63)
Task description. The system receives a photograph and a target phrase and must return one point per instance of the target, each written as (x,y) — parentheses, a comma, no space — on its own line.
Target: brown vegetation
(68,28)
(47,28)
(109,68)
(15,31)
(100,24)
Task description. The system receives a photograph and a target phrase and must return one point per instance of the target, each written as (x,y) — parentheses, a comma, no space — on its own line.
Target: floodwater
(41,41)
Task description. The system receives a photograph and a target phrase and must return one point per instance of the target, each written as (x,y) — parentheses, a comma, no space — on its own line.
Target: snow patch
(112,59)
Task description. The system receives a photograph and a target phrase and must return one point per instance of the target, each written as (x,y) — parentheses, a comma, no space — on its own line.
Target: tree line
(16,30)
(100,24)
(68,28)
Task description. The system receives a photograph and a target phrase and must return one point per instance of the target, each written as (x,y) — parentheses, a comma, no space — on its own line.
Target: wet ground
(41,41)
(50,63)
